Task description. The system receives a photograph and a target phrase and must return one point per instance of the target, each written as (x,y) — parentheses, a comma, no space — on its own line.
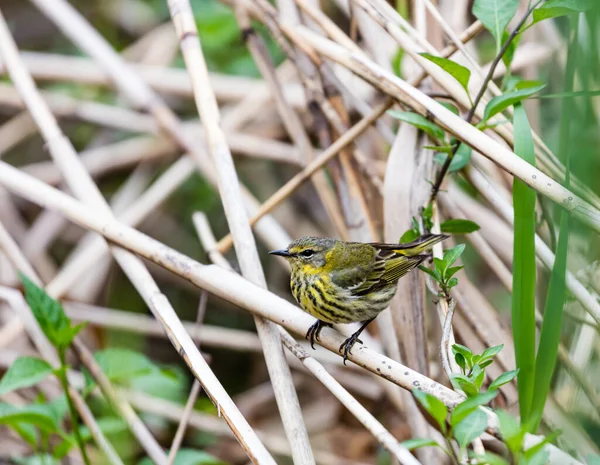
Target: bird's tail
(420,245)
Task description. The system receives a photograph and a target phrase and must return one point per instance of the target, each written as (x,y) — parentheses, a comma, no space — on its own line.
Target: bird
(345,282)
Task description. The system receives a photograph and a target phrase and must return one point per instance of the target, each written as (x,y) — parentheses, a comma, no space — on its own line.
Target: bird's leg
(348,343)
(314,331)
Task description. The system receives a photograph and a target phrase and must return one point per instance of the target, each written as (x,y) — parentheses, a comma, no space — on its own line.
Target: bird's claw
(314,332)
(347,346)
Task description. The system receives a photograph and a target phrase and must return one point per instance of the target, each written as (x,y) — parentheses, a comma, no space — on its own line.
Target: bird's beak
(281,253)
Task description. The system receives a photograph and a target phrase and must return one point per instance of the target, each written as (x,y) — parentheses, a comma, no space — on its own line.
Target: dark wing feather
(389,267)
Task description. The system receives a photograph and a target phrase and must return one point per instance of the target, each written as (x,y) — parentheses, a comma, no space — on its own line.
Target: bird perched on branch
(345,282)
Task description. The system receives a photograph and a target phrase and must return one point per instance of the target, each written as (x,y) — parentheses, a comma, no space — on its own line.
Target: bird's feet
(314,331)
(346,347)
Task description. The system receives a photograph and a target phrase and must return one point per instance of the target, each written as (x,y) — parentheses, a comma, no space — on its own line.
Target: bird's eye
(307,253)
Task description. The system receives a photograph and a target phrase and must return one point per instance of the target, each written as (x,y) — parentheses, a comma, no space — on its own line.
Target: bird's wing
(388,268)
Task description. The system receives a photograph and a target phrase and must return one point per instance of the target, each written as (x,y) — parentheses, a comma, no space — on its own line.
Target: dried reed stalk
(237,218)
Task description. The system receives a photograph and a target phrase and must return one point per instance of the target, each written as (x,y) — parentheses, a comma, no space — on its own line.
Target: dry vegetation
(153,151)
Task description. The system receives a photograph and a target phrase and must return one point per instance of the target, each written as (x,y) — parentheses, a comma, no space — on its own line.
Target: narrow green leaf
(434,406)
(524,268)
(459,226)
(30,414)
(464,409)
(491,352)
(24,372)
(458,72)
(502,102)
(503,379)
(470,427)
(420,122)
(460,160)
(556,294)
(578,93)
(451,255)
(49,314)
(495,16)
(555,8)
(416,443)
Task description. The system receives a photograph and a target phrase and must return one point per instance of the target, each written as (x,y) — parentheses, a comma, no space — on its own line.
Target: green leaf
(24,372)
(460,160)
(511,432)
(465,384)
(416,443)
(434,406)
(486,363)
(28,432)
(464,351)
(550,334)
(465,408)
(508,56)
(470,428)
(503,379)
(440,148)
(451,283)
(453,270)
(409,236)
(460,361)
(555,8)
(489,459)
(420,122)
(491,352)
(459,226)
(495,16)
(540,458)
(38,459)
(451,255)
(458,72)
(189,457)
(435,274)
(440,265)
(450,106)
(49,314)
(593,460)
(30,414)
(502,102)
(478,376)
(122,364)
(524,268)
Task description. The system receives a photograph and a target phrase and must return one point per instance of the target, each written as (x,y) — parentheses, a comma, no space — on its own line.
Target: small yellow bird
(345,282)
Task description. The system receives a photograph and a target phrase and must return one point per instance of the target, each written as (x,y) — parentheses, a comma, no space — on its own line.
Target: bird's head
(308,253)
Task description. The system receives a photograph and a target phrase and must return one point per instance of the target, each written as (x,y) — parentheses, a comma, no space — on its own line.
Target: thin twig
(193,395)
(479,96)
(287,189)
